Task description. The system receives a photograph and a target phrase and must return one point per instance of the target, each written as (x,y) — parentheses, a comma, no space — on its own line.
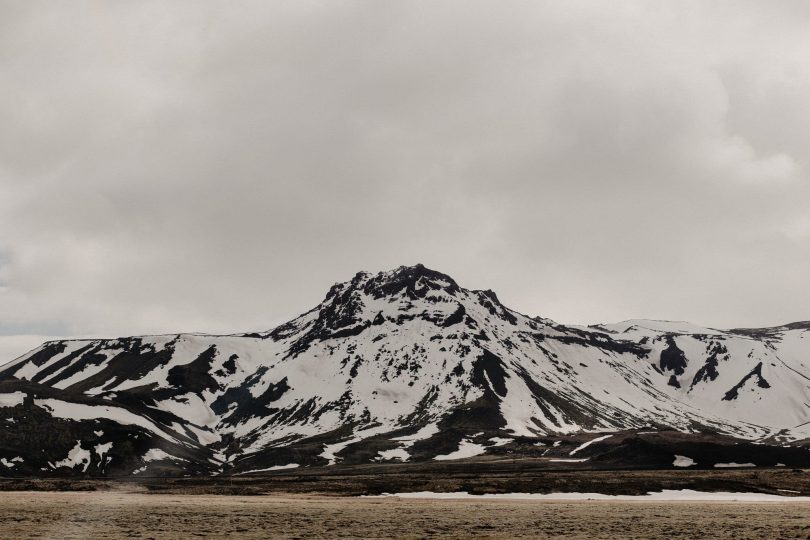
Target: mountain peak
(413,281)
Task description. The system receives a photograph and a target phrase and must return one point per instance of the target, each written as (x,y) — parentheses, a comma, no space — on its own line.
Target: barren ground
(476,477)
(138,515)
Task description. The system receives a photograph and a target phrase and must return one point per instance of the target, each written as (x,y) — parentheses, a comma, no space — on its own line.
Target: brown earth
(312,503)
(70,515)
(490,476)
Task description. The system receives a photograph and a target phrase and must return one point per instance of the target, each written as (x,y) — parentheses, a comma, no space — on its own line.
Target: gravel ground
(136,515)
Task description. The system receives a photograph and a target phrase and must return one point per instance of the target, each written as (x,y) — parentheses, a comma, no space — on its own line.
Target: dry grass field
(104,514)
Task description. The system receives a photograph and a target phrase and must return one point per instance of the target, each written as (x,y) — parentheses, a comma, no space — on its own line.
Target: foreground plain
(103,515)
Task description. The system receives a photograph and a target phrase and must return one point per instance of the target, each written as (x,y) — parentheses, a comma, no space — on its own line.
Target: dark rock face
(709,370)
(672,358)
(134,361)
(342,309)
(197,375)
(245,405)
(36,441)
(68,364)
(489,300)
(413,281)
(755,375)
(39,357)
(774,332)
(489,374)
(456,317)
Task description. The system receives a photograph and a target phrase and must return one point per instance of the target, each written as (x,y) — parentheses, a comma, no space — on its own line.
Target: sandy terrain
(132,515)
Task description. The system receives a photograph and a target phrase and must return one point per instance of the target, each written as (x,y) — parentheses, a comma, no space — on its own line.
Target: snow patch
(587,444)
(102,449)
(78,411)
(12,399)
(156,454)
(665,495)
(683,461)
(397,453)
(87,372)
(189,407)
(425,433)
(76,456)
(330,451)
(466,448)
(500,441)
(273,468)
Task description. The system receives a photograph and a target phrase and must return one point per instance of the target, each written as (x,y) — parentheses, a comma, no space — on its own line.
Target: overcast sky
(216,166)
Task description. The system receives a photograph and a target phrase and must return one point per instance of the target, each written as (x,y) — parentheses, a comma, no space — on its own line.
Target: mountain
(406,365)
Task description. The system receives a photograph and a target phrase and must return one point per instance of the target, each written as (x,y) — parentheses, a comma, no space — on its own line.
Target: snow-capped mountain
(403,365)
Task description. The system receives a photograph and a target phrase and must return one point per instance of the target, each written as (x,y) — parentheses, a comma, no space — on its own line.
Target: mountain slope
(399,365)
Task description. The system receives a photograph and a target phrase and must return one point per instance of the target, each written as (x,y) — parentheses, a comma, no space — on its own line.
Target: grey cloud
(168,166)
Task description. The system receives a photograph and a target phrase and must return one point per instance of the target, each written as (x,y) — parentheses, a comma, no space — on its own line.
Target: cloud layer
(170,166)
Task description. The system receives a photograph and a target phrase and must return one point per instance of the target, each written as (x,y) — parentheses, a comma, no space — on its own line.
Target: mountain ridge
(402,365)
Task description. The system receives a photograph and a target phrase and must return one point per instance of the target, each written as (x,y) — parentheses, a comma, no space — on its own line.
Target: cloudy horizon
(170,167)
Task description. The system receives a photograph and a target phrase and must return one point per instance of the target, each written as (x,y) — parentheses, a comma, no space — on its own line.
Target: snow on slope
(645,327)
(403,358)
(76,411)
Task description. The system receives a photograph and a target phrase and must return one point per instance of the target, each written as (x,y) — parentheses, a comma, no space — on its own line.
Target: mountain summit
(404,365)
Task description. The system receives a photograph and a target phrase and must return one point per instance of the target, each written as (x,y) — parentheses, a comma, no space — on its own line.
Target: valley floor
(104,514)
(478,476)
